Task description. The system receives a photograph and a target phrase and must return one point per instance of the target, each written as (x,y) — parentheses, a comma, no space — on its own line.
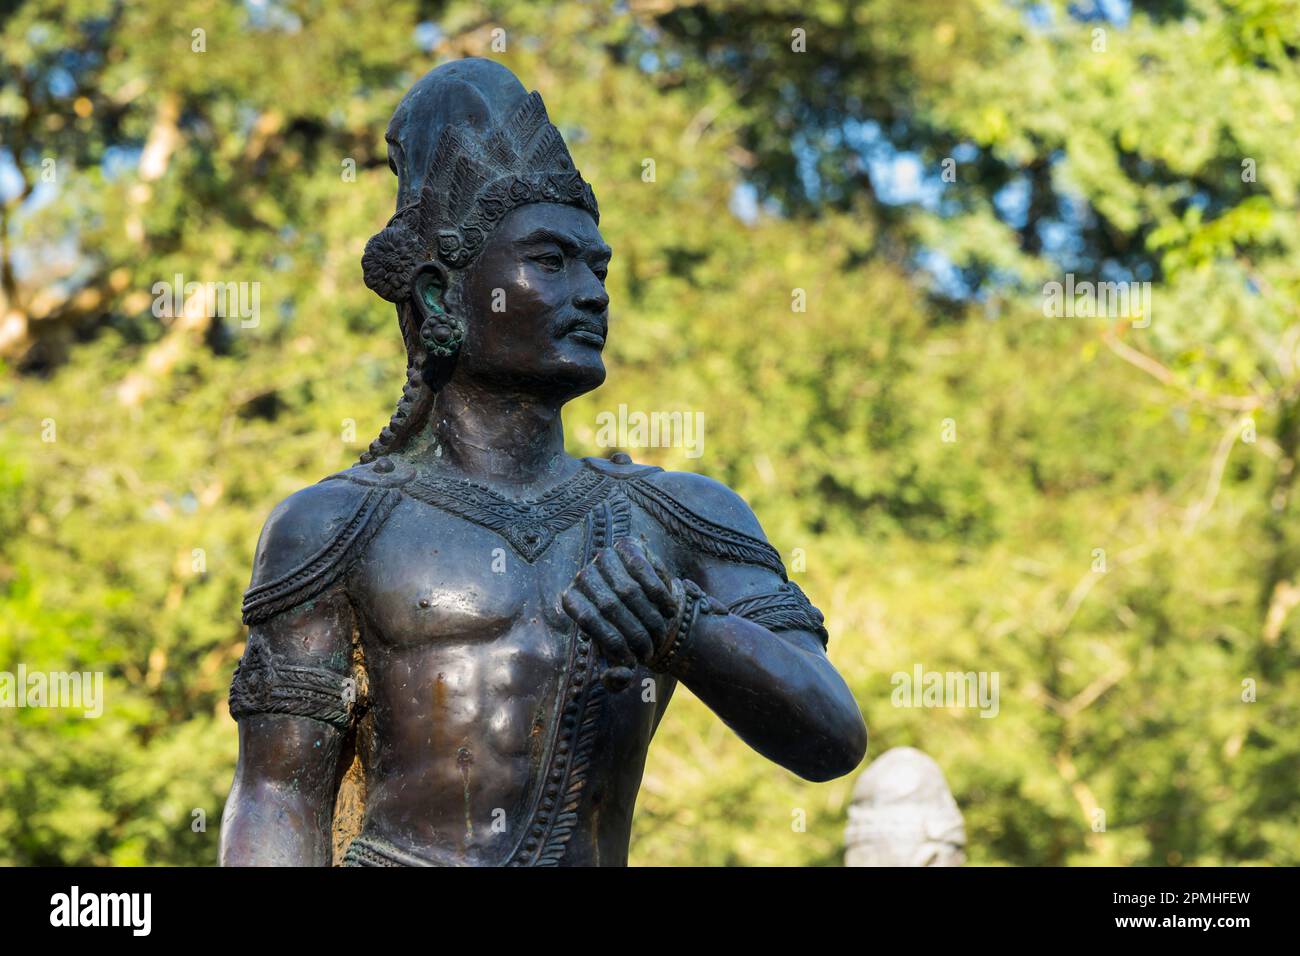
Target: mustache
(574,321)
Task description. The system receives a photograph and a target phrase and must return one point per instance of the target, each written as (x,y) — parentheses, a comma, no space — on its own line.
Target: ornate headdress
(477,174)
(468,144)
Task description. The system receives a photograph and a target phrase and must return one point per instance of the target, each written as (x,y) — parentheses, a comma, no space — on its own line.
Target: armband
(263,685)
(785,609)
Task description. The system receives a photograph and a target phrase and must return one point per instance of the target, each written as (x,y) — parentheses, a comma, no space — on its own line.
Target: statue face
(543,269)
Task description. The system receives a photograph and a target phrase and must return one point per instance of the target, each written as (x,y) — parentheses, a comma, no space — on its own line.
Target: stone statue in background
(460,649)
(903,814)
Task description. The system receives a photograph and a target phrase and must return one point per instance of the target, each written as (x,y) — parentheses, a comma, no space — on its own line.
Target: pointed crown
(478,172)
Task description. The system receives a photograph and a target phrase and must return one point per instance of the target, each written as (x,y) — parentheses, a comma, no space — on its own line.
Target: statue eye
(550,261)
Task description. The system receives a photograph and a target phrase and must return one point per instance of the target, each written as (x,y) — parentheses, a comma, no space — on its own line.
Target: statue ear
(429,289)
(440,331)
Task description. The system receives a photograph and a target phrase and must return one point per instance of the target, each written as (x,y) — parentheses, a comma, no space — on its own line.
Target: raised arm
(293,692)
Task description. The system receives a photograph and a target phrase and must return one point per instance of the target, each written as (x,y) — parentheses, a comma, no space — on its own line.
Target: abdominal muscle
(459,736)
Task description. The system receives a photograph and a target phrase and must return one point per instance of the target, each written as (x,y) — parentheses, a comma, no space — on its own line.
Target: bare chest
(430,577)
(467,568)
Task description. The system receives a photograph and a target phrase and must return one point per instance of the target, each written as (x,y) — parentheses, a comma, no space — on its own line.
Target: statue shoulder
(709,498)
(302,524)
(715,521)
(706,516)
(705,496)
(314,536)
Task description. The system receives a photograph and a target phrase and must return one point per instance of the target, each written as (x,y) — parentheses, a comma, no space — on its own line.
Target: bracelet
(691,603)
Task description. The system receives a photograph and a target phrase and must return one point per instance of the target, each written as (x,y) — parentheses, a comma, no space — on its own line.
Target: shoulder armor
(718,522)
(311,539)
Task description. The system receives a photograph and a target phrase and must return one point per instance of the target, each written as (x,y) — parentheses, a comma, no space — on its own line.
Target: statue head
(493,257)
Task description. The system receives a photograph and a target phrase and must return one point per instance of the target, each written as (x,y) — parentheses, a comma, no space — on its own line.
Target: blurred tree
(1098,509)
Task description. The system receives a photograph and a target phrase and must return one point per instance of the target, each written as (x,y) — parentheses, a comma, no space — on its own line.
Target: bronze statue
(460,649)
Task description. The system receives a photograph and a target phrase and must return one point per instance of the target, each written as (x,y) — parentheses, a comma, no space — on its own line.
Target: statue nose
(592,300)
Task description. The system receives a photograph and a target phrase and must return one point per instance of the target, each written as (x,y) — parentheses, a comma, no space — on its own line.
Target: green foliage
(126,540)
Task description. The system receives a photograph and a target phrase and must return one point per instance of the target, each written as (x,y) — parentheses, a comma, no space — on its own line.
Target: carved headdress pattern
(474,179)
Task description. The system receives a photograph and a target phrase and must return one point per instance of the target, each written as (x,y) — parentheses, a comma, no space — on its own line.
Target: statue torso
(489,736)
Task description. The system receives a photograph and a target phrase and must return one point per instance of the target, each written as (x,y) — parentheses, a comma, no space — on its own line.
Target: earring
(441,333)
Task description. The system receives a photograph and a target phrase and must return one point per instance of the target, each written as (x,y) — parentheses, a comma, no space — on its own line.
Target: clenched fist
(627,603)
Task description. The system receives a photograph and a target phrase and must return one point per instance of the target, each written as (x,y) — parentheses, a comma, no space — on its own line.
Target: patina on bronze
(460,649)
